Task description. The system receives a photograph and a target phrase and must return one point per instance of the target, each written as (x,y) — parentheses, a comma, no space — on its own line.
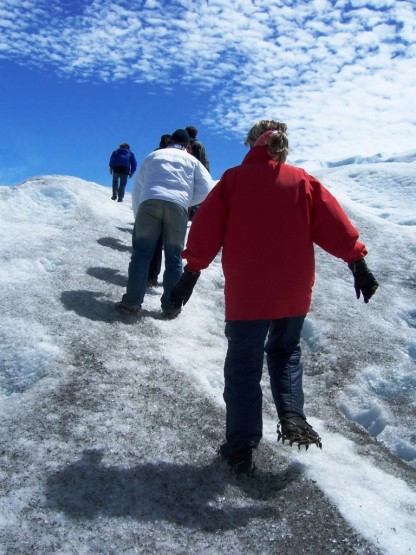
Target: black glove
(364,281)
(181,292)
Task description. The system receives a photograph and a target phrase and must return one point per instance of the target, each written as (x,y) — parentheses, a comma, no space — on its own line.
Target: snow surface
(109,424)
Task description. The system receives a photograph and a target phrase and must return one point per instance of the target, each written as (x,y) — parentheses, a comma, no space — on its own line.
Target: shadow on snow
(186,495)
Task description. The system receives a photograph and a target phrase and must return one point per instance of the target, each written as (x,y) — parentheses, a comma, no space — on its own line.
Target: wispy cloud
(339,69)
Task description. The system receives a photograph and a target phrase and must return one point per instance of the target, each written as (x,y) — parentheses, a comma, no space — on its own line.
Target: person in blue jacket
(123,164)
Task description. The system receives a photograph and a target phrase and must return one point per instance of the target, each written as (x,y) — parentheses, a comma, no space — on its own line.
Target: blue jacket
(123,161)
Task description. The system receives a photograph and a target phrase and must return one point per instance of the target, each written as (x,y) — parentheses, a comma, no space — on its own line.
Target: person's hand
(110,170)
(181,292)
(364,281)
(130,175)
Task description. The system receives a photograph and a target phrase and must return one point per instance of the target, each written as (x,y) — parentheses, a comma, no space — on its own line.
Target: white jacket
(171,174)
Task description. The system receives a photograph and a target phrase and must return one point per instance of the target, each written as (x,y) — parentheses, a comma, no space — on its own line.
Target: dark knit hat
(180,136)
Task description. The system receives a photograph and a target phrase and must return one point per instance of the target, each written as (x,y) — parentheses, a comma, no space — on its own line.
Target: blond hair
(277,141)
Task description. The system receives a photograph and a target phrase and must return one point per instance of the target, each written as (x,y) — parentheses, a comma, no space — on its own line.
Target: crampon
(295,430)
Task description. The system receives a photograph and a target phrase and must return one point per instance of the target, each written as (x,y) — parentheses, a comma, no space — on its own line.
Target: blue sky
(80,77)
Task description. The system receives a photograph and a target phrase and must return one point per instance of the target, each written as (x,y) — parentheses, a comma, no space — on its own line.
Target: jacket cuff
(192,270)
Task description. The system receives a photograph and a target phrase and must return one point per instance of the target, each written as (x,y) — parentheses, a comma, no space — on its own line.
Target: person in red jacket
(266,216)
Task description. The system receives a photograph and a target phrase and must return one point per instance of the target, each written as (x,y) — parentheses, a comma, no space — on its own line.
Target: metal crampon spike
(301,441)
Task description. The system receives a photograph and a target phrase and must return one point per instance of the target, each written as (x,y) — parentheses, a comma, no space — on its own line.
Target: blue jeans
(247,342)
(156,262)
(119,184)
(155,218)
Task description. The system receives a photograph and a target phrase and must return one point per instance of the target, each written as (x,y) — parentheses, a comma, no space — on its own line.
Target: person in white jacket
(168,182)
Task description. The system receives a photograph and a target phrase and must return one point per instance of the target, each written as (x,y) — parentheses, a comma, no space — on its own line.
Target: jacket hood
(256,154)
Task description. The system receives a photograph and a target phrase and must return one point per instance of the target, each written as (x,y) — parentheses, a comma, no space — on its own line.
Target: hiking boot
(127,308)
(171,313)
(241,461)
(152,283)
(120,200)
(114,197)
(294,429)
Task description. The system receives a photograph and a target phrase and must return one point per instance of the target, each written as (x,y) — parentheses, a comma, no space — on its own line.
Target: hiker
(165,140)
(266,216)
(197,149)
(156,262)
(168,182)
(122,166)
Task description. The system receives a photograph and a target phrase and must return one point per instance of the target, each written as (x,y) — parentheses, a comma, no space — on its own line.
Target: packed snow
(110,423)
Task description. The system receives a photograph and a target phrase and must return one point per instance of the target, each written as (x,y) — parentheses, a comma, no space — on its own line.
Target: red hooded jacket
(267,216)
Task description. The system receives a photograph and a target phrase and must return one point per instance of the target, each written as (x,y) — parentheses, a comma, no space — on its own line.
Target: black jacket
(198,150)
